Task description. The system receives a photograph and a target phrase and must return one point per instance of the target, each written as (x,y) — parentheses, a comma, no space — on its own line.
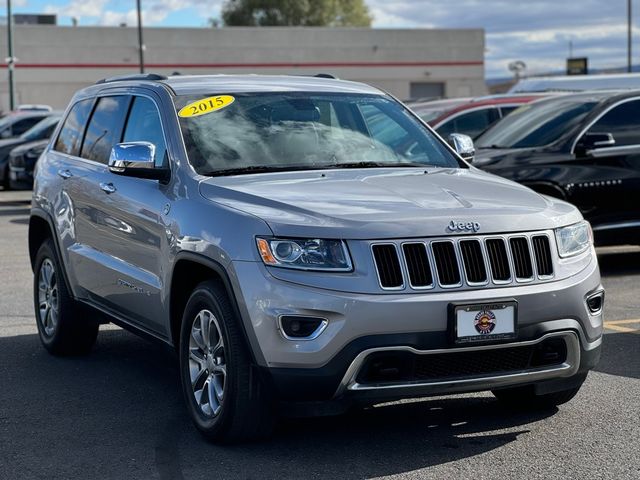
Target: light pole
(140,40)
(10,59)
(629,33)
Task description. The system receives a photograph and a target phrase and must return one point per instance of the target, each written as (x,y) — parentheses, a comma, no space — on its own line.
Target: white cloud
(535,31)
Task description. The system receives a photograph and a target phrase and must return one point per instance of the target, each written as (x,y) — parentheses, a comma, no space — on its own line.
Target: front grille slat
(388,265)
(418,267)
(446,263)
(542,251)
(498,260)
(473,261)
(522,265)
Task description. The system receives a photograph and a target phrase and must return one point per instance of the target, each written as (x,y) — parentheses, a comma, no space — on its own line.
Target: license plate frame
(468,309)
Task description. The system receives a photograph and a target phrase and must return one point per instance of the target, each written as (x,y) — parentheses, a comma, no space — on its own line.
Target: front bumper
(319,369)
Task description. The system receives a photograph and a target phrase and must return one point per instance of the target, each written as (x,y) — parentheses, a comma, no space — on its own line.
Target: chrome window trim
(400,261)
(566,369)
(316,333)
(111,93)
(594,121)
(429,259)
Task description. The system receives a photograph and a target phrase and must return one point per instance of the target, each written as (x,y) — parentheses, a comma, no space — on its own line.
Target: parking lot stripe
(620,328)
(622,322)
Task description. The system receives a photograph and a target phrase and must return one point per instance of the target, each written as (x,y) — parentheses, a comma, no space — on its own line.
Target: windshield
(41,130)
(536,124)
(289,131)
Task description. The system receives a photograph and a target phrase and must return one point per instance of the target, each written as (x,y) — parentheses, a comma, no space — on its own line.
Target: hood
(9,143)
(387,203)
(24,148)
(490,156)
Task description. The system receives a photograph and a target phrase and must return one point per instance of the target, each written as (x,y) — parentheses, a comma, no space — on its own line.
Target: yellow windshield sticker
(206,105)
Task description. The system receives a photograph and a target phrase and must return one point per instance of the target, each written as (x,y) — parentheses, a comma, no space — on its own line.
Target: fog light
(595,302)
(295,327)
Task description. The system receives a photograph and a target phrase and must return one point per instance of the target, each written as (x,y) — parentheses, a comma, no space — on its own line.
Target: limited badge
(206,105)
(485,322)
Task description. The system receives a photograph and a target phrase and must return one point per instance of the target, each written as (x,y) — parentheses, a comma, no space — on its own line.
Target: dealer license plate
(485,322)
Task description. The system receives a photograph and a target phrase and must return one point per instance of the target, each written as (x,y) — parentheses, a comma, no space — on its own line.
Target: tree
(289,13)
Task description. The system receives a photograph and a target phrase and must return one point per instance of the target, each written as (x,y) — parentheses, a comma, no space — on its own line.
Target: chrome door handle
(64,173)
(107,187)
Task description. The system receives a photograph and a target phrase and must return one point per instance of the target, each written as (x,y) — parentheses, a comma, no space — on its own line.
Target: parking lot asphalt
(118,413)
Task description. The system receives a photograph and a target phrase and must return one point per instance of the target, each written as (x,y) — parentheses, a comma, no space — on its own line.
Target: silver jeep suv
(306,244)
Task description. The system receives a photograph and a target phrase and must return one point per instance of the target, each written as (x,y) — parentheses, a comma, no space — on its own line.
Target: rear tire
(63,326)
(525,398)
(225,396)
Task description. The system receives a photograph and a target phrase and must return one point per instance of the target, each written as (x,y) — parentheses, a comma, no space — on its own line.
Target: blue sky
(535,31)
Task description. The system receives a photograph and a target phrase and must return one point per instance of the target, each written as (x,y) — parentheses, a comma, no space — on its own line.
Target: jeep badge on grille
(463,226)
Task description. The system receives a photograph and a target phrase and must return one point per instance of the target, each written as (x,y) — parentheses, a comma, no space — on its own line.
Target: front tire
(62,327)
(525,398)
(225,396)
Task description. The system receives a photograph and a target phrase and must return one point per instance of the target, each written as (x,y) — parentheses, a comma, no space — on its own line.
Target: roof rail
(137,76)
(325,75)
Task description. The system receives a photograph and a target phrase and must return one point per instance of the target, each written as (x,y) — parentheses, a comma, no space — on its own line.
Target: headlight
(574,239)
(305,254)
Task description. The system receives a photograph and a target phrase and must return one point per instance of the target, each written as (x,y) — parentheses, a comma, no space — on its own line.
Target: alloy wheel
(48,307)
(207,363)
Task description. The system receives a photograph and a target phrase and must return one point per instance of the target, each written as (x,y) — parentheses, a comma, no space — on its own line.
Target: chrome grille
(466,261)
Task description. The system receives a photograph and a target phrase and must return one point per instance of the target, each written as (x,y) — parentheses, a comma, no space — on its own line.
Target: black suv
(583,148)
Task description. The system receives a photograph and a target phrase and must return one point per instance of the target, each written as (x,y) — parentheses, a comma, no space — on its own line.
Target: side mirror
(6,133)
(463,145)
(592,141)
(137,159)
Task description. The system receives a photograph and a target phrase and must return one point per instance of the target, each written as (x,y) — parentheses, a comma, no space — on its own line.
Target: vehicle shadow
(615,262)
(118,412)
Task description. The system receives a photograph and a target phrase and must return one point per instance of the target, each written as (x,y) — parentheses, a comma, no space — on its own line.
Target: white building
(54,61)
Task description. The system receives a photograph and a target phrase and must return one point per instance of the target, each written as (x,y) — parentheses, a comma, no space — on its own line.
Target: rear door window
(25,124)
(105,128)
(70,136)
(471,123)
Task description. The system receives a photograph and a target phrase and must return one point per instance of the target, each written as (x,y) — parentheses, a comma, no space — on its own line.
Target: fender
(248,333)
(44,215)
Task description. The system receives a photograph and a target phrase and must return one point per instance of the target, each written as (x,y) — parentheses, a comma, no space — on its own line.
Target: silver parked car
(306,244)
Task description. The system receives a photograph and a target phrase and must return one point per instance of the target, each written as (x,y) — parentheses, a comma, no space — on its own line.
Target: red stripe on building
(255,65)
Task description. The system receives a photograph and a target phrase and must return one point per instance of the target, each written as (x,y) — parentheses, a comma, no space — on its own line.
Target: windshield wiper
(372,165)
(255,169)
